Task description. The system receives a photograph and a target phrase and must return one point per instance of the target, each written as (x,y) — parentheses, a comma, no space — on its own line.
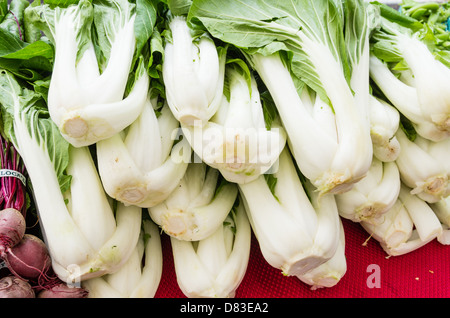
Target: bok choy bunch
(193,73)
(86,234)
(296,230)
(373,195)
(238,140)
(408,225)
(410,73)
(424,166)
(384,123)
(214,266)
(298,49)
(142,165)
(91,96)
(139,277)
(198,206)
(329,273)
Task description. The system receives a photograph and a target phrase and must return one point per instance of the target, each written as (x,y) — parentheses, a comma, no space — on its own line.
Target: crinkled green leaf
(265,27)
(18,102)
(13,21)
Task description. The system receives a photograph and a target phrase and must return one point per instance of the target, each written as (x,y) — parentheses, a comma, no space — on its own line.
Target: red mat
(424,273)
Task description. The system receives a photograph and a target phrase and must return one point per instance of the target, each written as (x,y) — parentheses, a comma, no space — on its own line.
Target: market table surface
(423,273)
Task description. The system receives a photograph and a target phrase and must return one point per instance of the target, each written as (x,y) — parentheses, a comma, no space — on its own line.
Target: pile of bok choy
(210,121)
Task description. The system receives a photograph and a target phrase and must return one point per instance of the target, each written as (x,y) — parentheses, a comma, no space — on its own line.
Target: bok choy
(78,32)
(193,73)
(296,230)
(215,265)
(142,165)
(410,74)
(198,206)
(139,277)
(408,225)
(238,140)
(299,46)
(84,236)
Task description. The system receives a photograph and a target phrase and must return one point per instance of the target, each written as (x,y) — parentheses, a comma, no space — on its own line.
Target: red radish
(14,287)
(12,229)
(30,260)
(62,290)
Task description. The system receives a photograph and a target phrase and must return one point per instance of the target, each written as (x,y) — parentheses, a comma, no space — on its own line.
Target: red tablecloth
(422,273)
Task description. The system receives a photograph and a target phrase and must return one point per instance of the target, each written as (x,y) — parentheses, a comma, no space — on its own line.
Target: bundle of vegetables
(12,179)
(206,120)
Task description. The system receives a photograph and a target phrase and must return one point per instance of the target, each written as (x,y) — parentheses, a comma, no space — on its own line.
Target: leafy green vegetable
(23,106)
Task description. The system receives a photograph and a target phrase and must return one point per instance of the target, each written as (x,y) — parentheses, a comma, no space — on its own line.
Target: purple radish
(30,260)
(12,229)
(62,290)
(14,287)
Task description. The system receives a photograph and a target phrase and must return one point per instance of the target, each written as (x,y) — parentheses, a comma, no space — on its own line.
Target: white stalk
(296,117)
(139,277)
(353,155)
(114,252)
(236,142)
(331,272)
(394,230)
(142,166)
(65,87)
(65,240)
(94,207)
(430,76)
(373,195)
(84,115)
(197,207)
(405,98)
(409,225)
(331,166)
(442,210)
(294,234)
(119,62)
(83,126)
(193,74)
(420,171)
(384,122)
(425,220)
(200,273)
(74,257)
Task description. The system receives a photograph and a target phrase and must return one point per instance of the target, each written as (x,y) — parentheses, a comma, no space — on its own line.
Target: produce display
(200,135)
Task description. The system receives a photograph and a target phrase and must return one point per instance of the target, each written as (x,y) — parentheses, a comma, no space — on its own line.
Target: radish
(12,229)
(62,290)
(14,287)
(30,260)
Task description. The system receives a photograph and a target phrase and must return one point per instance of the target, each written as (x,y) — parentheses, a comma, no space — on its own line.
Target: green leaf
(17,100)
(27,61)
(30,70)
(38,48)
(13,22)
(109,16)
(179,7)
(272,183)
(3,9)
(9,43)
(61,3)
(258,26)
(395,16)
(144,23)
